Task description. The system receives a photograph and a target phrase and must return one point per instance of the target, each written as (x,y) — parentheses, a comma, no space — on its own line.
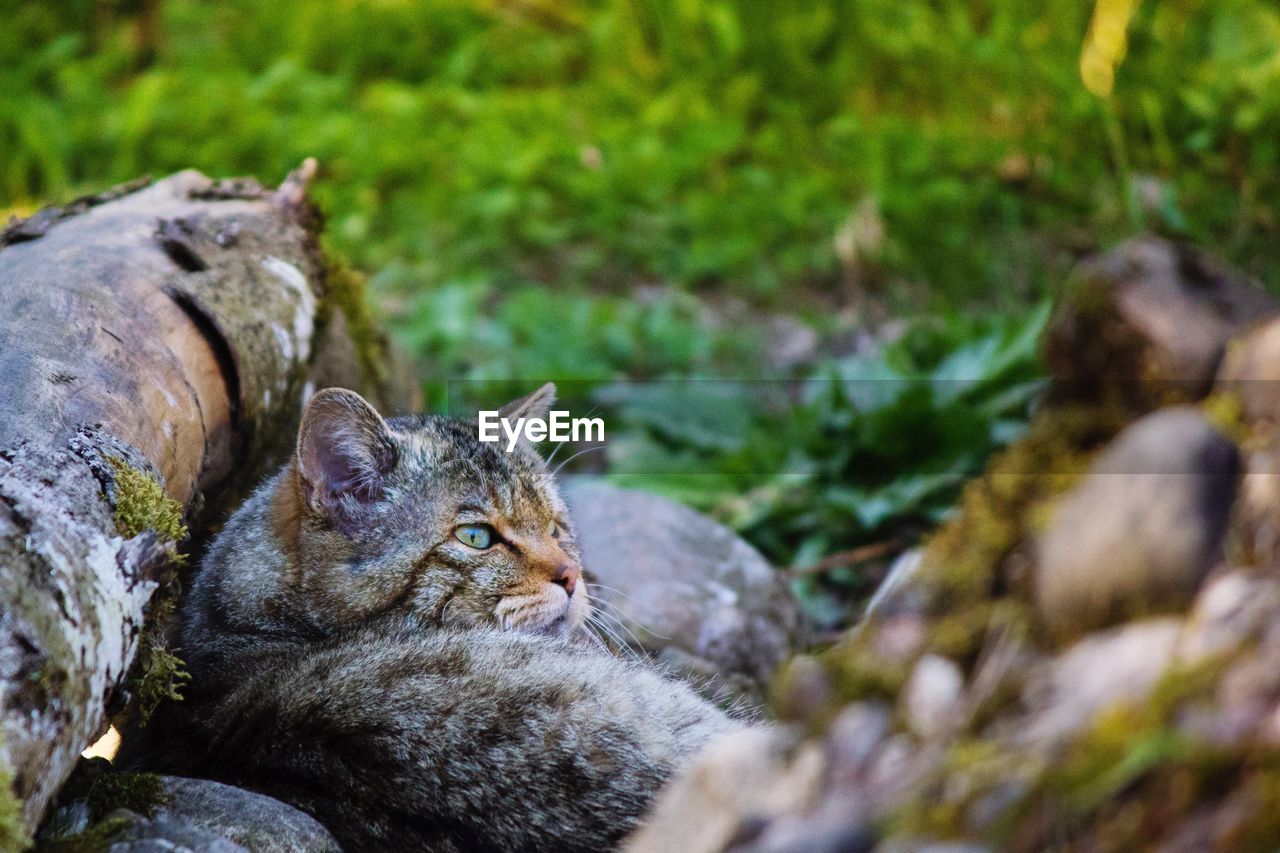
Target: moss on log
(158,341)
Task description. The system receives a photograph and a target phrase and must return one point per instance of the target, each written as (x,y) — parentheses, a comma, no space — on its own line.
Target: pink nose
(567,578)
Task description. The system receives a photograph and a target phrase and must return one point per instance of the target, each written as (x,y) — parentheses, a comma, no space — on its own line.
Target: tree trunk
(158,336)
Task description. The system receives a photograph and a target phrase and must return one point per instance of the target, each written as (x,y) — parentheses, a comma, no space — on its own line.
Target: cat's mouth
(551,613)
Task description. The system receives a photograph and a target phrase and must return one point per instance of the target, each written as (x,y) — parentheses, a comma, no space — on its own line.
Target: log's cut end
(169,330)
(178,316)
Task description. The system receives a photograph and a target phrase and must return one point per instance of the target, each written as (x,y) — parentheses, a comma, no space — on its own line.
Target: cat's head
(416,514)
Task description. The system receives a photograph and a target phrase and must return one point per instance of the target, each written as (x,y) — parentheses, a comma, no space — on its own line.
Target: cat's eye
(553,530)
(476,535)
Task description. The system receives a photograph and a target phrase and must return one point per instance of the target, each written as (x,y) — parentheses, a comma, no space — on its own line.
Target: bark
(169,329)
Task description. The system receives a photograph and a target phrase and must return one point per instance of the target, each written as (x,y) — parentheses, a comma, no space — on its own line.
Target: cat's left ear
(345,452)
(536,405)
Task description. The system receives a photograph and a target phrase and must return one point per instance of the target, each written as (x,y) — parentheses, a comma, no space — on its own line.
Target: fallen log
(157,343)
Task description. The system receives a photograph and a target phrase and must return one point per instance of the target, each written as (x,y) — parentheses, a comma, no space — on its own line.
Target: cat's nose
(567,577)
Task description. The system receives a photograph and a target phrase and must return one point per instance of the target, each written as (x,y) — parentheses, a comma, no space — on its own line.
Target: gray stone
(931,694)
(1251,370)
(854,740)
(1149,318)
(837,826)
(168,835)
(733,789)
(684,589)
(1144,528)
(1249,381)
(255,821)
(1232,609)
(1066,693)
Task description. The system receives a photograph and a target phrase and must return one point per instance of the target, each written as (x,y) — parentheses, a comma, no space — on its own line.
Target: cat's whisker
(575,456)
(622,648)
(612,589)
(617,614)
(625,649)
(622,626)
(594,622)
(552,457)
(595,638)
(616,592)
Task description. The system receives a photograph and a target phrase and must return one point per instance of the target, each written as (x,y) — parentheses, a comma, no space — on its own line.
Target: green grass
(570,190)
(703,144)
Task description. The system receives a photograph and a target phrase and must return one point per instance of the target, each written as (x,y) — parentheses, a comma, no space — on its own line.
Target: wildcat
(388,635)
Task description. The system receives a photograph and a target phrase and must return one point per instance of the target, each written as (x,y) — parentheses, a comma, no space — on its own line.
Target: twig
(852,557)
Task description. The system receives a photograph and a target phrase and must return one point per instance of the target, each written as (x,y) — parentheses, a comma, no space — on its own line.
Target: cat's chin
(558,627)
(544,615)
(565,625)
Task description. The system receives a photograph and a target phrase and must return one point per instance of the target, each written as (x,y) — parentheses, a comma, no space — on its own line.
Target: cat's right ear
(345,452)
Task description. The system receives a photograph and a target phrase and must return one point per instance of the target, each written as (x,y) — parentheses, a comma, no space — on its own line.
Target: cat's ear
(536,405)
(345,451)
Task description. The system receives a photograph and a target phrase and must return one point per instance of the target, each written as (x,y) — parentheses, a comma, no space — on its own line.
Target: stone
(802,691)
(1142,530)
(1232,609)
(255,821)
(682,588)
(1149,319)
(1064,694)
(1250,371)
(733,789)
(205,817)
(836,826)
(1248,389)
(166,835)
(855,740)
(931,694)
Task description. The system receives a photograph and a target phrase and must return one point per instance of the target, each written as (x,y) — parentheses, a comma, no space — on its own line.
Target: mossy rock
(974,569)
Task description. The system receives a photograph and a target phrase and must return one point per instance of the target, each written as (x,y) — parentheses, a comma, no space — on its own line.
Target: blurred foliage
(620,141)
(874,450)
(576,189)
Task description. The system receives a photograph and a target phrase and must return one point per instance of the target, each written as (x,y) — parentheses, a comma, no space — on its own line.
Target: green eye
(476,535)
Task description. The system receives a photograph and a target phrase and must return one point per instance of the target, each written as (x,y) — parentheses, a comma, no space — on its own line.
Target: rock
(1251,371)
(1231,610)
(802,691)
(198,815)
(685,590)
(854,741)
(732,790)
(931,694)
(899,639)
(1257,529)
(256,821)
(834,827)
(1149,320)
(1066,693)
(1143,529)
(167,835)
(1249,390)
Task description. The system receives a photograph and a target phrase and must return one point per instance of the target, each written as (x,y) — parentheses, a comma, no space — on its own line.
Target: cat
(390,635)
